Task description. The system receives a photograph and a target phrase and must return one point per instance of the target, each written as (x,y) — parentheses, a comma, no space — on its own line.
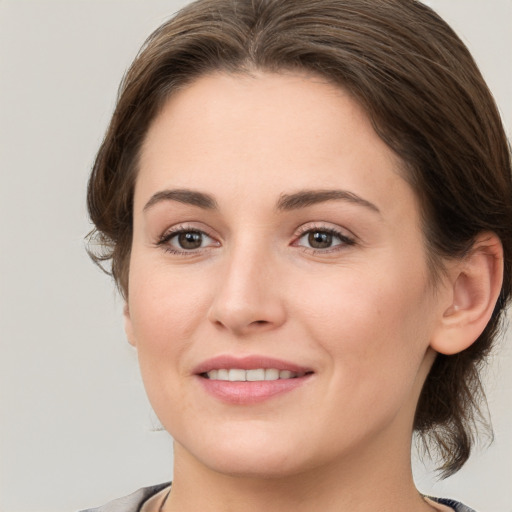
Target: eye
(319,239)
(186,240)
(323,238)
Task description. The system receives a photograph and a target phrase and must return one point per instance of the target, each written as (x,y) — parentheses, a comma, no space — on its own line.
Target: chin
(255,466)
(251,456)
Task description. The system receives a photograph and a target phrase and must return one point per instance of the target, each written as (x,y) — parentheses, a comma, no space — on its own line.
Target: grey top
(134,502)
(131,503)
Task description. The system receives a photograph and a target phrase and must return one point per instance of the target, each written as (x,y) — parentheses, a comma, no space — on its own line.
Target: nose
(249,296)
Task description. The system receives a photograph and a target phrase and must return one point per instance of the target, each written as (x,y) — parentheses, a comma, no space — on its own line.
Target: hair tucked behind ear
(426,98)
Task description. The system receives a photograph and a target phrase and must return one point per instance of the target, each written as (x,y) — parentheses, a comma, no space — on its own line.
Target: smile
(250,379)
(254,375)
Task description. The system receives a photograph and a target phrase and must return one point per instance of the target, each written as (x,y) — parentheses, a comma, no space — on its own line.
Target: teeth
(253,375)
(271,374)
(222,374)
(259,374)
(235,375)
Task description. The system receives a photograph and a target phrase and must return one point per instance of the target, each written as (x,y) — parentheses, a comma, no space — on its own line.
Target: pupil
(190,240)
(319,239)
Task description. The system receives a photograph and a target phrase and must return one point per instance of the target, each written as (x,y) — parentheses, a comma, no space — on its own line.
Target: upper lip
(252,362)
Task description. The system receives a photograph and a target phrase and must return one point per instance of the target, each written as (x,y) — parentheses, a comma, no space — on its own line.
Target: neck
(356,484)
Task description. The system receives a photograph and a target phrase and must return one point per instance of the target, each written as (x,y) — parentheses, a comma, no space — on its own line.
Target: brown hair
(426,98)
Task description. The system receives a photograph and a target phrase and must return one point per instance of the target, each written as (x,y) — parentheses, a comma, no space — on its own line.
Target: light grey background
(76,429)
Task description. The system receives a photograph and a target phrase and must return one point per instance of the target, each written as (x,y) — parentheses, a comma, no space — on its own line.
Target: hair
(427,100)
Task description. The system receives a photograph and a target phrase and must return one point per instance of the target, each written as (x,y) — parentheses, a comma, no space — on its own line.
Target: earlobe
(475,283)
(128,328)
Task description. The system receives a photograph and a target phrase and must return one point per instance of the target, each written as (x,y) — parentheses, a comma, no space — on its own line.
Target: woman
(307,205)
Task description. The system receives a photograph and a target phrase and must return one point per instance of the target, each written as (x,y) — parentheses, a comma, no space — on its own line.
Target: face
(279,296)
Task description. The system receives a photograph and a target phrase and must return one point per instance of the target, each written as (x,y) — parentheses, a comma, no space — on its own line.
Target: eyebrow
(306,198)
(183,196)
(286,202)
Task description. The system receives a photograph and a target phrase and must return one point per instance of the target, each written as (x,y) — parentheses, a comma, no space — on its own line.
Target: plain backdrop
(76,429)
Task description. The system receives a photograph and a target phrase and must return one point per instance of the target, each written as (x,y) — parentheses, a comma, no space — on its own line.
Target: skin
(361,314)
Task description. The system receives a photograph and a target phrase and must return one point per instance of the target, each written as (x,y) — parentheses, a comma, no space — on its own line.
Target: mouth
(251,379)
(253,375)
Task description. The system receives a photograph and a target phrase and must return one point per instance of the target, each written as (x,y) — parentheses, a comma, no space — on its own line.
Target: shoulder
(131,503)
(455,505)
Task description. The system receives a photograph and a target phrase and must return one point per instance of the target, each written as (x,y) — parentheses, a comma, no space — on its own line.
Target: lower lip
(246,393)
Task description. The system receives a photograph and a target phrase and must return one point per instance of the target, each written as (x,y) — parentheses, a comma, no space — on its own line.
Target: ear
(474,286)
(128,327)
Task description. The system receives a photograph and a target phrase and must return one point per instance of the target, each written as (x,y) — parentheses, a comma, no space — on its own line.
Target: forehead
(266,131)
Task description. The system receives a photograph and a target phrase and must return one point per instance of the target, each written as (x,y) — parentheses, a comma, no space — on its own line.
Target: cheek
(164,311)
(165,308)
(371,323)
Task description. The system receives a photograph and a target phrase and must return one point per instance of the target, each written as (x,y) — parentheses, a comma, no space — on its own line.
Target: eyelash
(343,238)
(165,239)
